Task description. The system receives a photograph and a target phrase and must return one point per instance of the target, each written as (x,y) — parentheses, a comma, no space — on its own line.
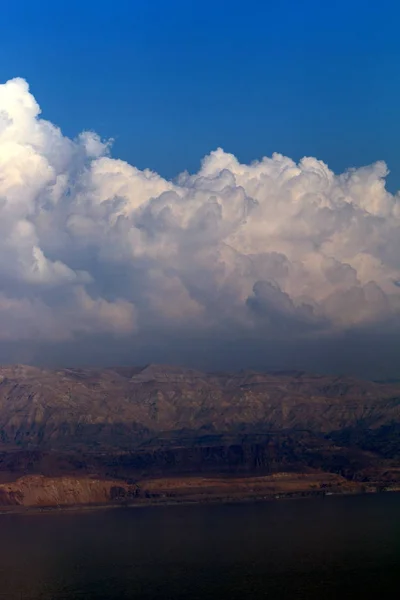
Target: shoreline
(149,503)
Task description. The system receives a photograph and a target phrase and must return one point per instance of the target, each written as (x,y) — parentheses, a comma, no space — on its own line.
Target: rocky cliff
(126,424)
(36,490)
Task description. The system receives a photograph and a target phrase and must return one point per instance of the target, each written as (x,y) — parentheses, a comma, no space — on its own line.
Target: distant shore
(164,502)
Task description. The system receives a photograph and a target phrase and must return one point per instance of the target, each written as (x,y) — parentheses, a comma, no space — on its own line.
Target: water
(337,547)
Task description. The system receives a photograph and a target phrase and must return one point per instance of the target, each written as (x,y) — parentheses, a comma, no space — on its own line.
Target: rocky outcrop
(57,492)
(37,490)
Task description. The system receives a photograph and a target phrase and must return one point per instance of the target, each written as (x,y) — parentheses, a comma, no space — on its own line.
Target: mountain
(124,407)
(127,424)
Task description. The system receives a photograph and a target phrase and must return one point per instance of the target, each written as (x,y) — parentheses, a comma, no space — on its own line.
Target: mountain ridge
(162,398)
(133,423)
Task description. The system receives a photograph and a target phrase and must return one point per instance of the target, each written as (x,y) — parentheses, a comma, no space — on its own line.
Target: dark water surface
(337,547)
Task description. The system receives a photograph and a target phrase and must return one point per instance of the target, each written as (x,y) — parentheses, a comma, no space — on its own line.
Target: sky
(136,225)
(171,81)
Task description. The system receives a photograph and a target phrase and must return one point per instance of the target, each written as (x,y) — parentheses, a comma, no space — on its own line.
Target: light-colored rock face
(121,407)
(39,491)
(36,490)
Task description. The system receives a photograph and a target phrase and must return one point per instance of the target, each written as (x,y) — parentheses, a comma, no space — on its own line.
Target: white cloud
(89,244)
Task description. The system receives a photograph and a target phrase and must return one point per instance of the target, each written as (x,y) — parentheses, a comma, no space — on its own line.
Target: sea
(323,548)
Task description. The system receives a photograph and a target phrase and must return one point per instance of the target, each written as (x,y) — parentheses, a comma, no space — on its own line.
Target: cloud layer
(274,250)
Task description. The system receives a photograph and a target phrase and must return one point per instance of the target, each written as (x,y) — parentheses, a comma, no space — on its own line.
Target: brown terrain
(161,434)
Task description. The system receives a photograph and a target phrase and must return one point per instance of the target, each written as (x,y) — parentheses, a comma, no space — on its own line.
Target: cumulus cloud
(269,251)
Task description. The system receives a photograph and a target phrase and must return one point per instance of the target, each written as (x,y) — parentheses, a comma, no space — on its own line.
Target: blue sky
(172,80)
(244,258)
